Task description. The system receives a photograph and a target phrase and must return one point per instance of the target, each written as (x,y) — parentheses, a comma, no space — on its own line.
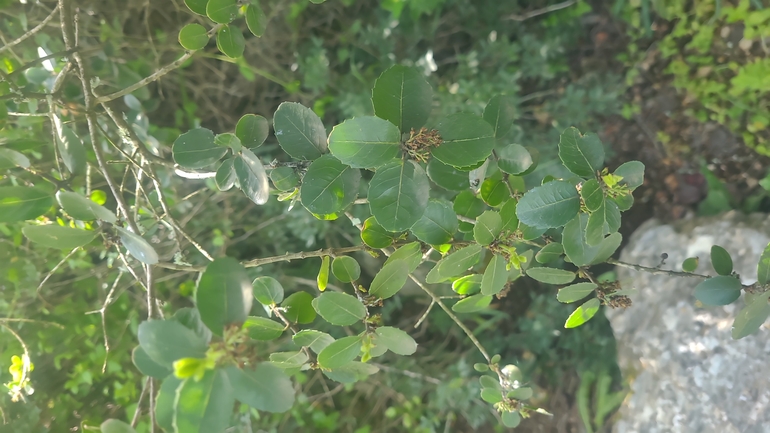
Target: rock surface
(686,372)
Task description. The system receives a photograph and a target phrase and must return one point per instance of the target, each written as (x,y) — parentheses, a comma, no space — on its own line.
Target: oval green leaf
(197,6)
(575,292)
(365,142)
(632,173)
(329,186)
(266,387)
(551,275)
(340,352)
(226,176)
(721,260)
(262,328)
(299,131)
(514,159)
(592,194)
(284,178)
(139,248)
(147,366)
(56,236)
(230,41)
(267,291)
(750,318)
(721,290)
(10,158)
(402,96)
(396,340)
(467,139)
(299,308)
(549,253)
(454,264)
(252,130)
(447,176)
(494,192)
(204,406)
(438,224)
(222,11)
(224,295)
(315,340)
(71,149)
(468,285)
(495,276)
(468,205)
(549,206)
(165,341)
(471,304)
(339,309)
(581,154)
(84,209)
(508,215)
(582,314)
(604,221)
(488,226)
(411,253)
(193,37)
(116,426)
(375,236)
(346,269)
(256,20)
(398,195)
(763,267)
(500,113)
(690,264)
(390,279)
(196,149)
(165,402)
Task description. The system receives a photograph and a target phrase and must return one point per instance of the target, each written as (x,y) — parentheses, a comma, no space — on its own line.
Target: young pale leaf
(375,236)
(84,209)
(193,37)
(495,276)
(340,352)
(56,236)
(438,224)
(447,176)
(365,142)
(500,112)
(224,294)
(322,280)
(488,226)
(165,402)
(763,267)
(549,206)
(252,129)
(339,309)
(721,260)
(346,269)
(690,264)
(514,159)
(592,194)
(196,149)
(575,292)
(751,317)
(454,264)
(116,426)
(222,11)
(402,96)
(299,131)
(256,20)
(165,341)
(262,328)
(396,340)
(329,186)
(226,175)
(583,313)
(139,248)
(267,290)
(581,154)
(204,406)
(10,158)
(471,304)
(551,275)
(252,177)
(265,387)
(604,221)
(468,285)
(632,173)
(467,139)
(411,253)
(549,253)
(147,366)
(721,290)
(390,279)
(315,340)
(398,195)
(71,149)
(299,308)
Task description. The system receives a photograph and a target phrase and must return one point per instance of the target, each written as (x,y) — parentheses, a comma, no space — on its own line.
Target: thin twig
(43,322)
(655,271)
(36,29)
(50,273)
(545,10)
(138,410)
(408,373)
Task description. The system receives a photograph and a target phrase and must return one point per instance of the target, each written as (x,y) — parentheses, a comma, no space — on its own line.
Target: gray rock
(686,373)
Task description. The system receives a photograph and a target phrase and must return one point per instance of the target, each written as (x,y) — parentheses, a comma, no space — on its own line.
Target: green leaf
(467,139)
(365,142)
(284,178)
(299,308)
(411,253)
(352,371)
(632,173)
(197,6)
(607,248)
(262,328)
(374,235)
(71,149)
(582,314)
(396,340)
(165,341)
(491,395)
(256,20)
(229,140)
(549,253)
(252,129)
(252,177)
(83,209)
(575,246)
(511,419)
(10,157)
(575,292)
(196,149)
(204,406)
(495,276)
(763,267)
(315,340)
(340,352)
(720,290)
(346,269)
(191,319)
(490,382)
(500,113)
(454,264)
(299,131)
(690,264)
(147,366)
(494,192)
(549,206)
(226,176)
(56,236)
(339,309)
(721,260)
(750,318)
(288,359)
(222,11)
(224,294)
(329,186)
(139,248)
(266,387)
(551,275)
(165,402)
(488,226)
(592,194)
(267,290)
(468,285)
(230,41)
(508,215)
(471,304)
(398,195)
(193,37)
(624,202)
(581,154)
(515,159)
(402,96)
(438,224)
(605,221)
(116,426)
(524,393)
(447,176)
(466,204)
(322,280)
(390,279)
